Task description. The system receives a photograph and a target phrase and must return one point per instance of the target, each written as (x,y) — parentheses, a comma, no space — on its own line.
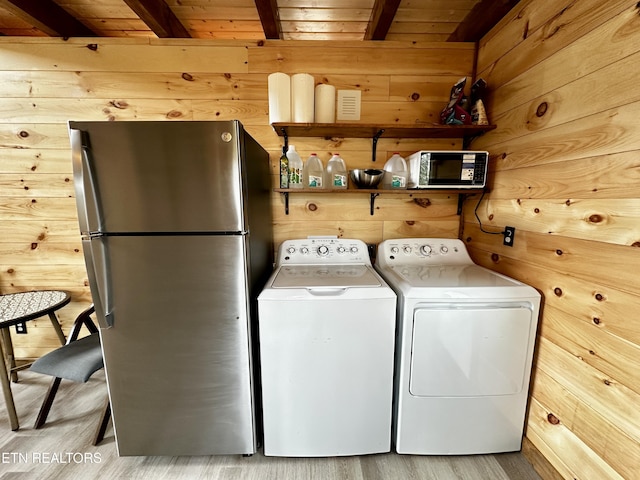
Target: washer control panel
(422,251)
(323,250)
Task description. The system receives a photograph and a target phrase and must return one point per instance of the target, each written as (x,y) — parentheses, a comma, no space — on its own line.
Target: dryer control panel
(422,251)
(323,251)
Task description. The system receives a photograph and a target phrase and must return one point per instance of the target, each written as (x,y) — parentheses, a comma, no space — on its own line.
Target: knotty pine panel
(26,161)
(41,253)
(548,28)
(31,231)
(589,425)
(36,210)
(36,185)
(600,177)
(579,460)
(604,220)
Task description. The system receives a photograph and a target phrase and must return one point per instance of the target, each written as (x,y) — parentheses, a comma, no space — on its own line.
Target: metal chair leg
(46,404)
(104,421)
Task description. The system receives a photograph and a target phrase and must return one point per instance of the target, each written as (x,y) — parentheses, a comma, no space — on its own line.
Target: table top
(24,306)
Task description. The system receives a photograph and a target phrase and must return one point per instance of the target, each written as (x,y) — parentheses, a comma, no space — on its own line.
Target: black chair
(77,360)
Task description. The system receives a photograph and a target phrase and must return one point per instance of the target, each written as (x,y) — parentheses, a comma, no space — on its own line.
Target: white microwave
(448,169)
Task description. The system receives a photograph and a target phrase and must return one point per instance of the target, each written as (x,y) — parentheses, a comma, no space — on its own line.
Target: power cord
(504,232)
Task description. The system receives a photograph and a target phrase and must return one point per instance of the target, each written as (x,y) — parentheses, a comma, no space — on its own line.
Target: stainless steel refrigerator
(177,237)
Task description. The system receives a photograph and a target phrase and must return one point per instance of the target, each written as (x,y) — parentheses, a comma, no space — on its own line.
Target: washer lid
(452,276)
(314,276)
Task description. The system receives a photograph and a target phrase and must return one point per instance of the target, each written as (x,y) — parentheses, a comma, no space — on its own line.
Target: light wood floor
(63,450)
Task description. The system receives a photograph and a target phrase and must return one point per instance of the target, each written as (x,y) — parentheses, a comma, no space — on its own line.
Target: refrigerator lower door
(177,355)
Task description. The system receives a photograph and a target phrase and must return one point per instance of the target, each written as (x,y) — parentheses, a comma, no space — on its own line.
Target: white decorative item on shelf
(325,103)
(349,105)
(279,97)
(302,98)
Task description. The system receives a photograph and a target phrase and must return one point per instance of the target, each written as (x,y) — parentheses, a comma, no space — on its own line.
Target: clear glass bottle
(284,169)
(295,168)
(313,172)
(336,172)
(396,173)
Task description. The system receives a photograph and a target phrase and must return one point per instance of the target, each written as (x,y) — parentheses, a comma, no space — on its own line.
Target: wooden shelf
(365,130)
(374,193)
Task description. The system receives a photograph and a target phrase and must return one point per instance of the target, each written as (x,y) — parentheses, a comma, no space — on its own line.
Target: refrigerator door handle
(86,190)
(98,270)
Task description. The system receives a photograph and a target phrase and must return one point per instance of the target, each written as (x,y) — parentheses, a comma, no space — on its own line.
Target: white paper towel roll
(279,97)
(302,98)
(325,103)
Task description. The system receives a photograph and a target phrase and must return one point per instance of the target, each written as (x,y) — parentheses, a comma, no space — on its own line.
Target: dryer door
(463,350)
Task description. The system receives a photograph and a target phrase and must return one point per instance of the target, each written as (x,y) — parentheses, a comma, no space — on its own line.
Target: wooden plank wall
(565,169)
(45,82)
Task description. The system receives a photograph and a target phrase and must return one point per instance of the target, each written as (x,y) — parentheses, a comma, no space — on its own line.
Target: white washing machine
(464,349)
(327,333)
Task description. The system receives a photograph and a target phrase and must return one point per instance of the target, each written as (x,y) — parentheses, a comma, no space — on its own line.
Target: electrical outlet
(21,328)
(509,236)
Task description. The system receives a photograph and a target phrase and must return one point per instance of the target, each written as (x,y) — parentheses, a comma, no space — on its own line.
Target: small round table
(16,308)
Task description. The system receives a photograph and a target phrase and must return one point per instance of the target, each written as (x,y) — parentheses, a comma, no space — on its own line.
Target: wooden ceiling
(342,20)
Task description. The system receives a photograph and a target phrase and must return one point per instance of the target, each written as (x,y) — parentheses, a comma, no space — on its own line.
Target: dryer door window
(462,350)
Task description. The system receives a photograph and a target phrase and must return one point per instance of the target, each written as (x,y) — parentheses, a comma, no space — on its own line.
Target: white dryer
(464,349)
(327,334)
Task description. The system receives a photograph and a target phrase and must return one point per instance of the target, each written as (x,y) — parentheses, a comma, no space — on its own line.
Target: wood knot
(23,134)
(119,104)
(559,252)
(596,320)
(595,218)
(260,43)
(491,216)
(93,47)
(410,222)
(415,96)
(557,291)
(542,109)
(599,297)
(422,202)
(495,258)
(568,202)
(227,76)
(34,245)
(188,77)
(536,210)
(607,382)
(313,207)
(10,270)
(552,419)
(635,244)
(174,114)
(468,239)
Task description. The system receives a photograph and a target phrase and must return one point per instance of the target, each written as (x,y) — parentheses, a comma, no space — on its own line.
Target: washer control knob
(406,249)
(291,250)
(323,250)
(425,250)
(341,249)
(444,249)
(394,250)
(304,250)
(354,250)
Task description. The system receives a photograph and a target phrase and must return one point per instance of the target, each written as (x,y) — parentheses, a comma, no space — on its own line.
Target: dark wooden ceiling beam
(48,17)
(270,18)
(482,18)
(159,18)
(382,16)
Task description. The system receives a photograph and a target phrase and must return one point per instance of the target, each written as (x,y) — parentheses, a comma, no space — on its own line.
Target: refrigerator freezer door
(177,357)
(159,176)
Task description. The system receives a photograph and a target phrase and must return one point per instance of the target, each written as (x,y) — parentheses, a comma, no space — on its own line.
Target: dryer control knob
(354,249)
(394,250)
(291,250)
(341,249)
(425,250)
(323,250)
(304,250)
(406,249)
(444,249)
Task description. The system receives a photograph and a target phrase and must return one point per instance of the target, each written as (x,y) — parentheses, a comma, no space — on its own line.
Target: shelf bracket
(286,202)
(461,198)
(286,137)
(372,201)
(375,144)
